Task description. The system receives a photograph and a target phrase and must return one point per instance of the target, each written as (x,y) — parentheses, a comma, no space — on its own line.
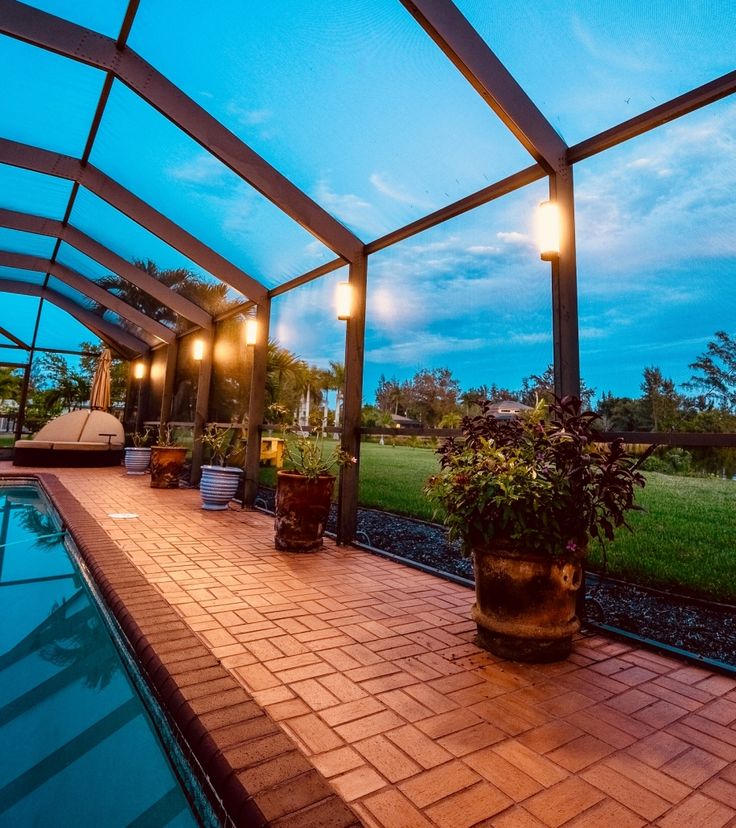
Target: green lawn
(684,540)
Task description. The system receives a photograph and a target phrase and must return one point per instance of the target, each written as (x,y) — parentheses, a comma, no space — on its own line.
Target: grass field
(685,539)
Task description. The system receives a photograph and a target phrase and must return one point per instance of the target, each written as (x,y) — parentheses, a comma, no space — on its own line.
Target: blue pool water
(77,745)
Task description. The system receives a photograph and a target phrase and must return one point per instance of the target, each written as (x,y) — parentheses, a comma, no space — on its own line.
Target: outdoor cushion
(33,444)
(67,427)
(59,445)
(99,423)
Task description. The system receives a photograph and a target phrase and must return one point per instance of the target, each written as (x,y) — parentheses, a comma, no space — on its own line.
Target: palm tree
(211,296)
(337,373)
(309,380)
(283,369)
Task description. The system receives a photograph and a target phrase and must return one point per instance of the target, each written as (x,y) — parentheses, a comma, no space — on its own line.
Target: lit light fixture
(549,231)
(344,300)
(139,370)
(198,350)
(251,331)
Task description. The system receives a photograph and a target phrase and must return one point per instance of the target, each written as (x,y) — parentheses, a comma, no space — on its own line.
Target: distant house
(507,409)
(404,422)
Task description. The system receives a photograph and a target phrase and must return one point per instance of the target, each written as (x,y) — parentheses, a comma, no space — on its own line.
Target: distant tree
(336,382)
(717,372)
(391,395)
(472,398)
(450,420)
(10,385)
(624,414)
(66,387)
(283,389)
(662,401)
(433,394)
(542,387)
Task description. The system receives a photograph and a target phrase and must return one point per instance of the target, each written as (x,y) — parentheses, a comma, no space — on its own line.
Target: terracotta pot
(525,604)
(302,509)
(166,465)
(218,485)
(137,459)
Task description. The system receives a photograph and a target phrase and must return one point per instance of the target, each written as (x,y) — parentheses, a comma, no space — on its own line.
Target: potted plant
(525,496)
(167,460)
(138,456)
(304,493)
(219,482)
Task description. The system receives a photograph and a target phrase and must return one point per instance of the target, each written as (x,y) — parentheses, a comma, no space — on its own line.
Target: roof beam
(72,41)
(89,177)
(89,288)
(472,56)
(123,341)
(18,342)
(696,98)
(56,229)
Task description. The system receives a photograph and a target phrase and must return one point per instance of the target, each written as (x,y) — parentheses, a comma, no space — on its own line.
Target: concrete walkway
(370,668)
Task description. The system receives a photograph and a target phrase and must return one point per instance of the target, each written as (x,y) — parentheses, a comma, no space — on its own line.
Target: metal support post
(347,501)
(256,403)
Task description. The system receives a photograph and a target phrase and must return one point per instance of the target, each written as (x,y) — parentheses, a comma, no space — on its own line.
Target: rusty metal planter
(302,509)
(166,465)
(525,603)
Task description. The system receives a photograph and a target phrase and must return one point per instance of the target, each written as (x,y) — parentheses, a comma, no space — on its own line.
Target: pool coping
(260,776)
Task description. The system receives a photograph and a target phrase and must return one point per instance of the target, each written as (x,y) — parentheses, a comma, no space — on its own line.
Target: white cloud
(350,208)
(530,338)
(514,237)
(636,57)
(398,193)
(482,249)
(663,200)
(202,169)
(420,349)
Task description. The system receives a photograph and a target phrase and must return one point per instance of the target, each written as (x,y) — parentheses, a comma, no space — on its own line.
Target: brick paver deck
(370,669)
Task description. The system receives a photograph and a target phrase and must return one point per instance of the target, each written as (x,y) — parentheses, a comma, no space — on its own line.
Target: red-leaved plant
(541,482)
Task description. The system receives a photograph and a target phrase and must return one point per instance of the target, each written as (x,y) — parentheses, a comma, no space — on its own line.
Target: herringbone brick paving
(370,668)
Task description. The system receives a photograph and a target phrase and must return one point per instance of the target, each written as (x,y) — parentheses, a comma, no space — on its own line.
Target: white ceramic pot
(137,460)
(218,485)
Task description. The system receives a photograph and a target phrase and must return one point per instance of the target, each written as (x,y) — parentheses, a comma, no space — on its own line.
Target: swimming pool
(79,745)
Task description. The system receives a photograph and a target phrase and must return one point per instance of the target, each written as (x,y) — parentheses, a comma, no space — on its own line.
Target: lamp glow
(344,300)
(139,370)
(198,350)
(251,331)
(549,230)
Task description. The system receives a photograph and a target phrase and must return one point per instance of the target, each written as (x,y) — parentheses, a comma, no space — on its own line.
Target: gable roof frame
(43,226)
(43,161)
(72,41)
(82,284)
(119,339)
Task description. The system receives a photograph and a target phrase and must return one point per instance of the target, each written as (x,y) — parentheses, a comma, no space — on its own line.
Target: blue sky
(360,109)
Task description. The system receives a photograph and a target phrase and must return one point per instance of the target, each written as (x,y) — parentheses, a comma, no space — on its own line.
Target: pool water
(78,745)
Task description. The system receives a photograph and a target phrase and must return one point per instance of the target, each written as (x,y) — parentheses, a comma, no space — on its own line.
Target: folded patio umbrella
(100,394)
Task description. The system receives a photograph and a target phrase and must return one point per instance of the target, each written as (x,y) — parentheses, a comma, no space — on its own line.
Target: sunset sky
(353,102)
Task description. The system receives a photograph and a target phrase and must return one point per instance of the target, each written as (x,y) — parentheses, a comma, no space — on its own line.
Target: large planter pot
(166,465)
(525,604)
(137,459)
(218,485)
(302,509)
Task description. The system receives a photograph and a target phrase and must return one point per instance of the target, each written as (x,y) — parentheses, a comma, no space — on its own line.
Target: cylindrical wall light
(548,230)
(139,370)
(344,300)
(198,350)
(251,331)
